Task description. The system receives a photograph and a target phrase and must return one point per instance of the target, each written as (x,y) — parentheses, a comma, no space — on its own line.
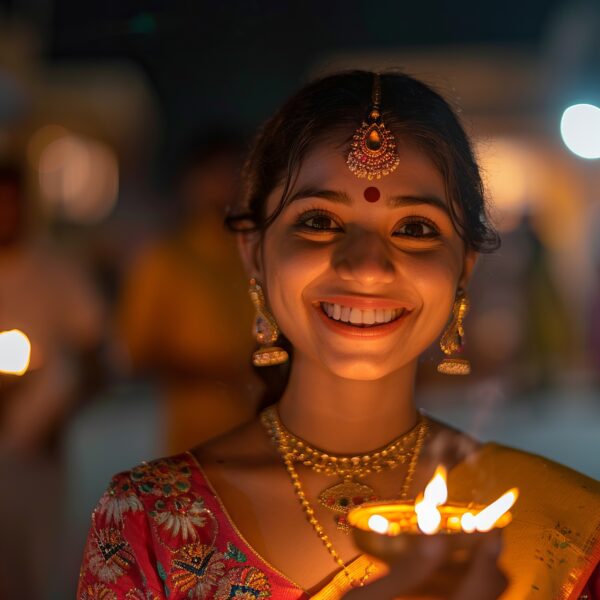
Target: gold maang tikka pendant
(344,496)
(373,151)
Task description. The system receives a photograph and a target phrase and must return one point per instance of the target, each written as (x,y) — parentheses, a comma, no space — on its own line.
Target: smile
(369,317)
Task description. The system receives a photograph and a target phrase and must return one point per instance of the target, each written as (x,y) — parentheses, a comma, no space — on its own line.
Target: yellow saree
(553,543)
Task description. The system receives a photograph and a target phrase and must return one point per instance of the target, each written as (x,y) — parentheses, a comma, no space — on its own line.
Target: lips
(361,317)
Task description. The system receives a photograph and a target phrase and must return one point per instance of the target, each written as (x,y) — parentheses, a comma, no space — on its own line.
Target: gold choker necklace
(345,495)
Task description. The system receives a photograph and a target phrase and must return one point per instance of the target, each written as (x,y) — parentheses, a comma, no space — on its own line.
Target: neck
(345,416)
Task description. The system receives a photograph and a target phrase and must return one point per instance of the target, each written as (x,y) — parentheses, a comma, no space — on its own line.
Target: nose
(364,258)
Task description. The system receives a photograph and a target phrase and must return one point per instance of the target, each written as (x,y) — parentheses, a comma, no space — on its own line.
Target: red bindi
(372,194)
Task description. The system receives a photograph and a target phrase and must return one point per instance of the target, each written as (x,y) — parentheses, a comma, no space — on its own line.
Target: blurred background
(122,128)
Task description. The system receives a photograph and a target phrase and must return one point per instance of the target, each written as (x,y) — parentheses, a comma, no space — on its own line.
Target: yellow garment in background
(553,543)
(186,319)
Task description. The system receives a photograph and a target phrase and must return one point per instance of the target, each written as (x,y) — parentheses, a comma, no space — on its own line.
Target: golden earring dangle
(452,340)
(265,331)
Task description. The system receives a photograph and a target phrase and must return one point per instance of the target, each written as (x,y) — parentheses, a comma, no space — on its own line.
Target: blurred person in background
(184,315)
(51,300)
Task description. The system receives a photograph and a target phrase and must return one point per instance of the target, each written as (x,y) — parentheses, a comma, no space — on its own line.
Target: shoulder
(505,464)
(144,488)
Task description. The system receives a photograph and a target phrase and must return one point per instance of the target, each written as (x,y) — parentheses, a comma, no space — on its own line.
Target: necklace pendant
(342,497)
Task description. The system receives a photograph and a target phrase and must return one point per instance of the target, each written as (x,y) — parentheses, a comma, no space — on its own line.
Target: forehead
(326,167)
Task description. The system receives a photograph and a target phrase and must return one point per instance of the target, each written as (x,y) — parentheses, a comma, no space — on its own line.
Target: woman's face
(361,287)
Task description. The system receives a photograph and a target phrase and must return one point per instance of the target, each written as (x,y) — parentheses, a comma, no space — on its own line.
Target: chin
(360,369)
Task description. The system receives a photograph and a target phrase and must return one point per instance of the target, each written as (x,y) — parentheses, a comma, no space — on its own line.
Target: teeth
(337,312)
(357,316)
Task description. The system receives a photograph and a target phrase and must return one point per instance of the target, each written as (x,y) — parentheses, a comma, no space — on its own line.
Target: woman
(361,224)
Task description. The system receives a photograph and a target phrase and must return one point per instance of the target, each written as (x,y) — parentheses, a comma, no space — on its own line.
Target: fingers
(484,579)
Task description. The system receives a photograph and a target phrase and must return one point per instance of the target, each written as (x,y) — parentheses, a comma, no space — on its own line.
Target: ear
(469,262)
(249,244)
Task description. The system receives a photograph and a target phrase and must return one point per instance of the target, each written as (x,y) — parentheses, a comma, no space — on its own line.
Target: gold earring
(265,331)
(452,340)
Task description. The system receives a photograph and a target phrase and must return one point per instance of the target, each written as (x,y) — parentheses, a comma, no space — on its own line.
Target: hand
(431,574)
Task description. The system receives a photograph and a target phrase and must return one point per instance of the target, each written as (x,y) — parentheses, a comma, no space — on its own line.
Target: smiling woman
(353,285)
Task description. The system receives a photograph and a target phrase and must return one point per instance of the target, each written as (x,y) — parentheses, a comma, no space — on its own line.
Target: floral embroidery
(180,516)
(110,556)
(197,568)
(97,591)
(235,553)
(119,498)
(244,583)
(164,477)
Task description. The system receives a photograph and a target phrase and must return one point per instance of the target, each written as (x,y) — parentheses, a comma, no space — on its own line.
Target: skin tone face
(330,246)
(391,268)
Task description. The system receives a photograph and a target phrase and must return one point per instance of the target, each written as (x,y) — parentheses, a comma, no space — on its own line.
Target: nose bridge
(365,257)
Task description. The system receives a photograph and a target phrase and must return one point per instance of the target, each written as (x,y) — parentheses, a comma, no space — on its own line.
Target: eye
(417,228)
(317,221)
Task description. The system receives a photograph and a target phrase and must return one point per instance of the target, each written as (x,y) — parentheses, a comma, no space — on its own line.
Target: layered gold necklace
(349,492)
(344,495)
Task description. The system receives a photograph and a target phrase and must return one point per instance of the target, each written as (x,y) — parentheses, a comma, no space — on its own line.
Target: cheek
(434,279)
(292,265)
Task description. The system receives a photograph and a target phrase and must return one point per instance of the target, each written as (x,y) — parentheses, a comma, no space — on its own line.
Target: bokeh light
(15,352)
(78,176)
(580,130)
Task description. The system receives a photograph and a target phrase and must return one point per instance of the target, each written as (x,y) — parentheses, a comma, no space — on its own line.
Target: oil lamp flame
(15,352)
(436,491)
(486,519)
(378,523)
(429,517)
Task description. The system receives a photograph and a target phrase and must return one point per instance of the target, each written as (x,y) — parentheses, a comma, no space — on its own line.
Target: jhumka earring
(265,331)
(452,340)
(373,148)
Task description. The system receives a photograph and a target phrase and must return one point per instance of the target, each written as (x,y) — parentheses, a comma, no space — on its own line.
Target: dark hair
(335,106)
(331,109)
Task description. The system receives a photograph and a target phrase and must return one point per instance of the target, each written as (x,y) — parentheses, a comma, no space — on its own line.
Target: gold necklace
(287,454)
(343,496)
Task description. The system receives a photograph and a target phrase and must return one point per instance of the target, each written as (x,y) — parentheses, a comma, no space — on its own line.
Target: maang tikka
(265,331)
(452,340)
(373,148)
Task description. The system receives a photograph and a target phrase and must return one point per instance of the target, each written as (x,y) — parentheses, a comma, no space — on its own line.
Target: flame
(485,520)
(429,517)
(436,491)
(378,523)
(15,352)
(468,523)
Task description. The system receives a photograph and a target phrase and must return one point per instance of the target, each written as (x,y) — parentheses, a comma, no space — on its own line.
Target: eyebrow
(412,200)
(393,202)
(312,192)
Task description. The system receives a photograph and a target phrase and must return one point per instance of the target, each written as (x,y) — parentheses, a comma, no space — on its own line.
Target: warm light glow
(485,520)
(436,491)
(79,177)
(378,523)
(15,352)
(580,130)
(429,517)
(468,523)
